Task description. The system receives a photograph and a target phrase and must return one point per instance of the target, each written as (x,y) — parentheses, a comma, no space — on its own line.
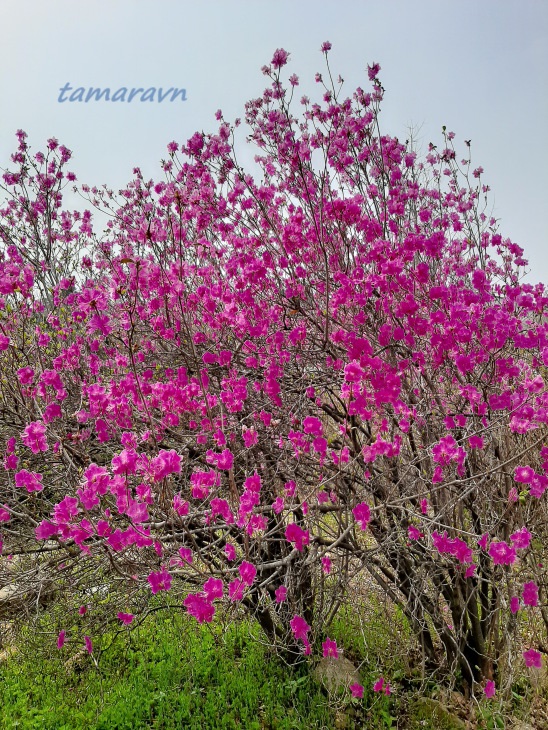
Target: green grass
(172,673)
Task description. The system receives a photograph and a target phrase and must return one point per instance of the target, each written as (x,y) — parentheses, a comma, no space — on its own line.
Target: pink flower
(453,546)
(221,508)
(414,533)
(362,514)
(200,607)
(125,462)
(180,505)
(250,437)
(61,639)
(236,590)
(29,479)
(382,686)
(65,510)
(523,474)
(186,554)
(326,46)
(299,627)
(514,604)
(11,461)
(329,648)
(278,505)
(326,564)
(530,594)
(482,542)
(89,645)
(476,442)
(521,538)
(357,690)
(532,658)
(82,610)
(312,426)
(225,460)
(213,588)
(290,488)
(297,536)
(160,581)
(281,594)
(125,618)
(279,58)
(437,475)
(489,689)
(502,553)
(25,375)
(300,630)
(137,511)
(34,436)
(230,551)
(167,462)
(45,530)
(372,71)
(253,483)
(424,506)
(247,573)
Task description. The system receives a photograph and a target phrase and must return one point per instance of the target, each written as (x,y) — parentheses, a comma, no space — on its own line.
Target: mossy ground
(173,673)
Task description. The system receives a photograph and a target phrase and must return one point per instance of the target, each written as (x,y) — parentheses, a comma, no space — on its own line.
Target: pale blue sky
(478,66)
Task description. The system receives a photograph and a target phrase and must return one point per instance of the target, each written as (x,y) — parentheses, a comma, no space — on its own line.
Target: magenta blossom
(34,436)
(279,58)
(300,630)
(532,658)
(295,534)
(373,70)
(61,639)
(502,553)
(362,515)
(126,618)
(30,480)
(530,594)
(414,533)
(230,552)
(329,648)
(523,474)
(382,686)
(160,581)
(236,590)
(521,538)
(199,606)
(213,588)
(247,573)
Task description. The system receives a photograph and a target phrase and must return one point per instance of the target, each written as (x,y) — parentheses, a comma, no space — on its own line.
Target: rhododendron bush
(256,385)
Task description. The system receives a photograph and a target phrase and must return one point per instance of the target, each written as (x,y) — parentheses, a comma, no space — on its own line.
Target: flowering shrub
(257,388)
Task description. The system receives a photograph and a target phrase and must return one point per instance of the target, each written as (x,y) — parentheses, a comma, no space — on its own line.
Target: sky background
(480,67)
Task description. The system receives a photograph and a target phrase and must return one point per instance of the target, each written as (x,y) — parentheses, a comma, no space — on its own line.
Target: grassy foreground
(172,673)
(168,673)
